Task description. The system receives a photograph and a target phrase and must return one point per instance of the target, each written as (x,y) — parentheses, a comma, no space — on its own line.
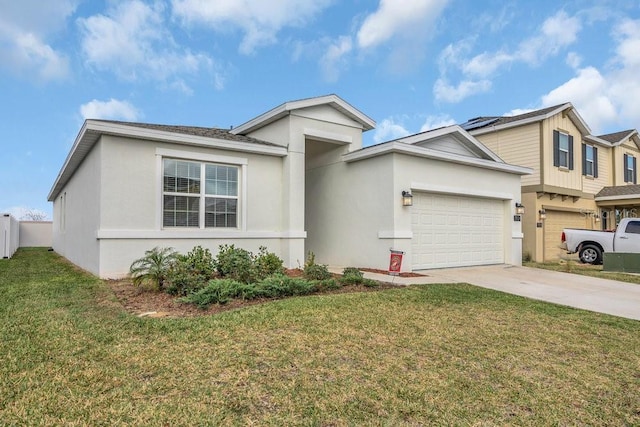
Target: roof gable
(451,139)
(285,109)
(486,124)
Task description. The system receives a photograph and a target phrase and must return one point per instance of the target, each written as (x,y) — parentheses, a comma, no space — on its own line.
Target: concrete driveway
(588,293)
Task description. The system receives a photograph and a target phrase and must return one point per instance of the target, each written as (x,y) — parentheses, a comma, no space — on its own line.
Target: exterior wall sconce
(519,208)
(543,214)
(407,198)
(596,217)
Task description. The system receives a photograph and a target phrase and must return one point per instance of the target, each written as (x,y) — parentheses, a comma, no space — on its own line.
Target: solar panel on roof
(474,125)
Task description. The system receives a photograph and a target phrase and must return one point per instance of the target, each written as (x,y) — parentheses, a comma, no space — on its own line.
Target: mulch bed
(147,303)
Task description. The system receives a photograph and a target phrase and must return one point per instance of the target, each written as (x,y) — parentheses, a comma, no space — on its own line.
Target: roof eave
(93,130)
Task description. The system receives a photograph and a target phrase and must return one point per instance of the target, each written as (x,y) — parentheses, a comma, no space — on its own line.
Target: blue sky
(409,65)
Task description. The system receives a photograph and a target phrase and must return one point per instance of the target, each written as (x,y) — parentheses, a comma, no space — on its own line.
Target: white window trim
(561,150)
(592,161)
(240,162)
(632,173)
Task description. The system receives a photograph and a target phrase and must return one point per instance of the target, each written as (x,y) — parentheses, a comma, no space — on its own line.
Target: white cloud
(112,109)
(606,99)
(25,27)
(557,32)
(259,20)
(486,63)
(518,111)
(388,130)
(443,91)
(573,60)
(395,18)
(131,41)
(437,121)
(333,59)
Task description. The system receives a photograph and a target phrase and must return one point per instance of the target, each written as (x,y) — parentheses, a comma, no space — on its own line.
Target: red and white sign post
(395,262)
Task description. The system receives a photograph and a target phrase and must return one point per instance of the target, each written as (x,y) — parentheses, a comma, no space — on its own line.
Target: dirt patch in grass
(148,303)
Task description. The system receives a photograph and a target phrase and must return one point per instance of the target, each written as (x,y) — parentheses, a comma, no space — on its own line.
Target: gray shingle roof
(500,120)
(620,190)
(193,130)
(616,136)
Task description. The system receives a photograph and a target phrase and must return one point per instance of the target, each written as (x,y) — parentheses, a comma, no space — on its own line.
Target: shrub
(267,263)
(370,283)
(352,276)
(235,263)
(200,261)
(219,291)
(279,285)
(153,267)
(327,284)
(315,271)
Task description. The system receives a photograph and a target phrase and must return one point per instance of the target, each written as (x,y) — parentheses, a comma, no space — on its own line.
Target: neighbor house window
(630,169)
(198,194)
(589,160)
(562,150)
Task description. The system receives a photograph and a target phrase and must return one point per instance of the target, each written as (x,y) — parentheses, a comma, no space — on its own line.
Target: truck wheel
(590,254)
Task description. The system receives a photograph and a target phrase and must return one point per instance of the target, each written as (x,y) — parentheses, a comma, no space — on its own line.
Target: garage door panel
(555,222)
(460,231)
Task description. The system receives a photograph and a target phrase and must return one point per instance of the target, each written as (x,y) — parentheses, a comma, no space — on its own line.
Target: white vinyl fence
(9,235)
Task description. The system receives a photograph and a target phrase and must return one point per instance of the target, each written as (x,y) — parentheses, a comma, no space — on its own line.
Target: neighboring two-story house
(579,180)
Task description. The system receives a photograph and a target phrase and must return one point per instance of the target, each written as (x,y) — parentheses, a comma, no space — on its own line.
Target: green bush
(219,291)
(327,284)
(279,285)
(370,283)
(315,271)
(352,276)
(267,263)
(236,263)
(153,267)
(190,272)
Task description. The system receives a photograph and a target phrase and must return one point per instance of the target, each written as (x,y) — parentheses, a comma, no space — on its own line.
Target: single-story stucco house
(294,179)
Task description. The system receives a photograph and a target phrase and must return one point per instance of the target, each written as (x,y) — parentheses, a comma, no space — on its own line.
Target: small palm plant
(153,266)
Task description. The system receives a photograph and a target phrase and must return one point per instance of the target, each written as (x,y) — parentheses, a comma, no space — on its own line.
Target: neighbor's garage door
(456,231)
(555,222)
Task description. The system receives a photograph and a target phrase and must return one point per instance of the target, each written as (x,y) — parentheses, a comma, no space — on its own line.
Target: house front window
(199,194)
(590,160)
(630,169)
(562,150)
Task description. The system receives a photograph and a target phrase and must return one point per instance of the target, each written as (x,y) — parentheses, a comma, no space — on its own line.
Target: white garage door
(456,231)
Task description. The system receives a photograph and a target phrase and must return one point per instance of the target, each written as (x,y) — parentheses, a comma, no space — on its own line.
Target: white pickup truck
(591,244)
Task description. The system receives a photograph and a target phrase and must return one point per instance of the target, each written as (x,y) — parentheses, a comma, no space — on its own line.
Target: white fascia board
(631,135)
(625,197)
(180,138)
(526,121)
(412,150)
(597,141)
(285,109)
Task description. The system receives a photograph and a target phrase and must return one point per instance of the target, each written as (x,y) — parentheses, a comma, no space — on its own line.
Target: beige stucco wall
(76,213)
(36,233)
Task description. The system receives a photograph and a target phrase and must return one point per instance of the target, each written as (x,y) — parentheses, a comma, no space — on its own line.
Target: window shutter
(624,165)
(635,172)
(570,152)
(595,162)
(584,159)
(556,148)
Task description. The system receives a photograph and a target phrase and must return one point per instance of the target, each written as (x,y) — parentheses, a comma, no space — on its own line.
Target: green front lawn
(576,267)
(449,354)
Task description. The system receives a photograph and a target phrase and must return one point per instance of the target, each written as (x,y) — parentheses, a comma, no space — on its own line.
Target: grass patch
(576,267)
(436,354)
